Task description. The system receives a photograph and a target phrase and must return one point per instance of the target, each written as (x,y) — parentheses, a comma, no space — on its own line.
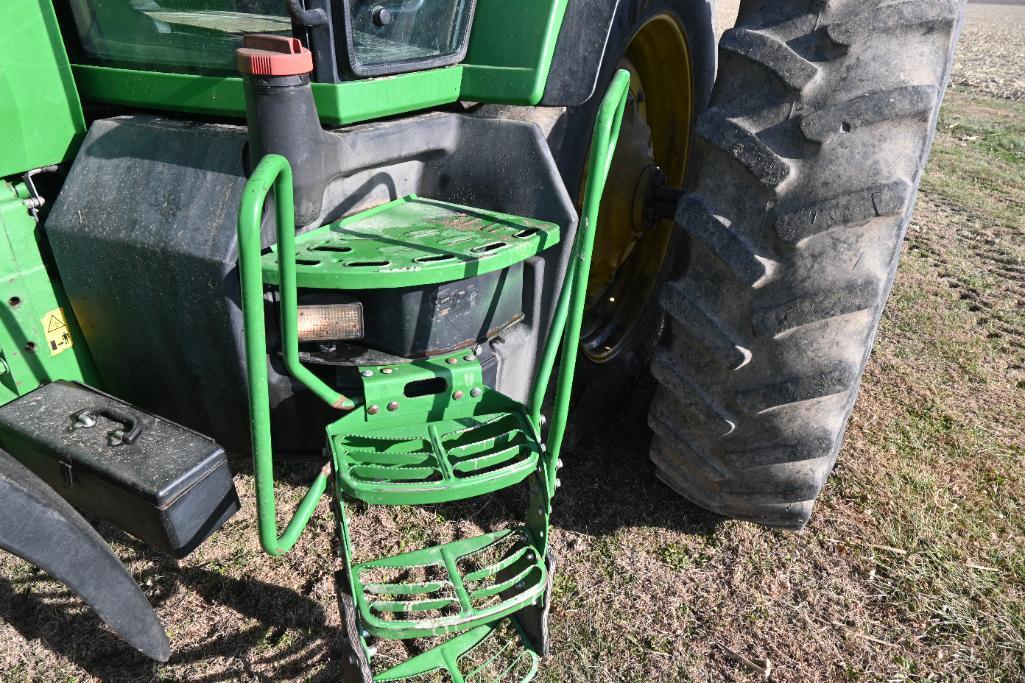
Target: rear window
(186,36)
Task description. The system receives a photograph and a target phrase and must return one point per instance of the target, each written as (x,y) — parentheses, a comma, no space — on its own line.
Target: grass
(913,567)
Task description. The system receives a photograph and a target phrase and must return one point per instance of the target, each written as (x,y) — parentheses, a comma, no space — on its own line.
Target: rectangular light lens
(331,322)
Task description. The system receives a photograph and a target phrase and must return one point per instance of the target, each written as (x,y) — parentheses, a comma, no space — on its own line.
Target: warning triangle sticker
(54,324)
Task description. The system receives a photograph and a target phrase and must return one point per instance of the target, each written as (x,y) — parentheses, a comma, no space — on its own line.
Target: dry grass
(912,569)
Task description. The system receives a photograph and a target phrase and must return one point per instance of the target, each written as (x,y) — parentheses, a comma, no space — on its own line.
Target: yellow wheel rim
(630,250)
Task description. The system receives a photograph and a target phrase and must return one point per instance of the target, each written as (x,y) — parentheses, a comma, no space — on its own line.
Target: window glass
(189,36)
(389,31)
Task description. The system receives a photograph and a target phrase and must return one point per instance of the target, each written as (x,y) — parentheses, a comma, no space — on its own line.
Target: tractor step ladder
(487,595)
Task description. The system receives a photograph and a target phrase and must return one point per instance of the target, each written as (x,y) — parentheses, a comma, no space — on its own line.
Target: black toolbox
(162,483)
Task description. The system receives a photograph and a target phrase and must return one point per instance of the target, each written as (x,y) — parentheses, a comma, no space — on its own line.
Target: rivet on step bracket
(364,633)
(452,361)
(476,392)
(458,395)
(374,409)
(558,465)
(558,483)
(367,373)
(544,420)
(393,406)
(387,371)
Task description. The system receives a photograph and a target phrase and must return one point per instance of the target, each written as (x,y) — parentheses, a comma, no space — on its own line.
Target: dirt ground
(913,567)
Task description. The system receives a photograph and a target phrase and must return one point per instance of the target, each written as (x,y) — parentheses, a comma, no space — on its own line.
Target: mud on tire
(805,173)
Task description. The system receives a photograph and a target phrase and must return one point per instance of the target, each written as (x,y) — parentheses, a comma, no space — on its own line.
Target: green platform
(410,242)
(451,587)
(437,462)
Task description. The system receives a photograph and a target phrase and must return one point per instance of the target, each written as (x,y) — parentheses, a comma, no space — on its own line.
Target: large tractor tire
(804,177)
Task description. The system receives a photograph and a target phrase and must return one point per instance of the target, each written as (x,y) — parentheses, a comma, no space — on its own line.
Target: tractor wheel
(804,176)
(668,46)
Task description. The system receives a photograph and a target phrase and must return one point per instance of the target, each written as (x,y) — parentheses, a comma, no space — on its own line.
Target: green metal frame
(28,297)
(516,580)
(464,441)
(570,309)
(508,60)
(274,172)
(40,114)
(524,566)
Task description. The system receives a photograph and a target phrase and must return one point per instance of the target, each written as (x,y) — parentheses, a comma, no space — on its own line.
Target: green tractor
(419,241)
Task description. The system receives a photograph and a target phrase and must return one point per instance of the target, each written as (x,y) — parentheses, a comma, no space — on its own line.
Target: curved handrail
(570,309)
(274,172)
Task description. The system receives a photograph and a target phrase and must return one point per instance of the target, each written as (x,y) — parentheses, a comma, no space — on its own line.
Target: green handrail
(570,309)
(274,172)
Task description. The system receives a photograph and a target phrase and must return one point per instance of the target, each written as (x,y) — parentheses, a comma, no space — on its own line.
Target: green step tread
(436,462)
(502,660)
(412,241)
(472,582)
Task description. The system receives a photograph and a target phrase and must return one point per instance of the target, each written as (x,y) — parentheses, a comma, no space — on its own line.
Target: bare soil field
(913,568)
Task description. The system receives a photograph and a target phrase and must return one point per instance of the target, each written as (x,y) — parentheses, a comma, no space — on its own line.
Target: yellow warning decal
(55,327)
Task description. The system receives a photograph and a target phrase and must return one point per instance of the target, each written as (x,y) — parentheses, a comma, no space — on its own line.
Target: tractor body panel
(39,338)
(40,112)
(509,56)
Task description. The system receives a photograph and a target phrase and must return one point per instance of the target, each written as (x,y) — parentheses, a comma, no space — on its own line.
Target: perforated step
(451,587)
(412,241)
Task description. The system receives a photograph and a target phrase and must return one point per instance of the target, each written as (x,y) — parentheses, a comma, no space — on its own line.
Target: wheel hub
(633,235)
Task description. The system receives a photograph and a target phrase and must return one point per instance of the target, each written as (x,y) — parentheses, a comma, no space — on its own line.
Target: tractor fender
(42,528)
(589,25)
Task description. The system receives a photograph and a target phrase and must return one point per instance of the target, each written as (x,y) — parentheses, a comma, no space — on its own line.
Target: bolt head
(382,16)
(374,409)
(559,464)
(558,483)
(476,392)
(367,373)
(452,361)
(387,371)
(457,395)
(393,406)
(468,357)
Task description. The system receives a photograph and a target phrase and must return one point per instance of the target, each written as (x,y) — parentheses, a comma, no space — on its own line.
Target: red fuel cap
(268,55)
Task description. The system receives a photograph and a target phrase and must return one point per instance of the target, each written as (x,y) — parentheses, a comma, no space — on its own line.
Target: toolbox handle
(133,424)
